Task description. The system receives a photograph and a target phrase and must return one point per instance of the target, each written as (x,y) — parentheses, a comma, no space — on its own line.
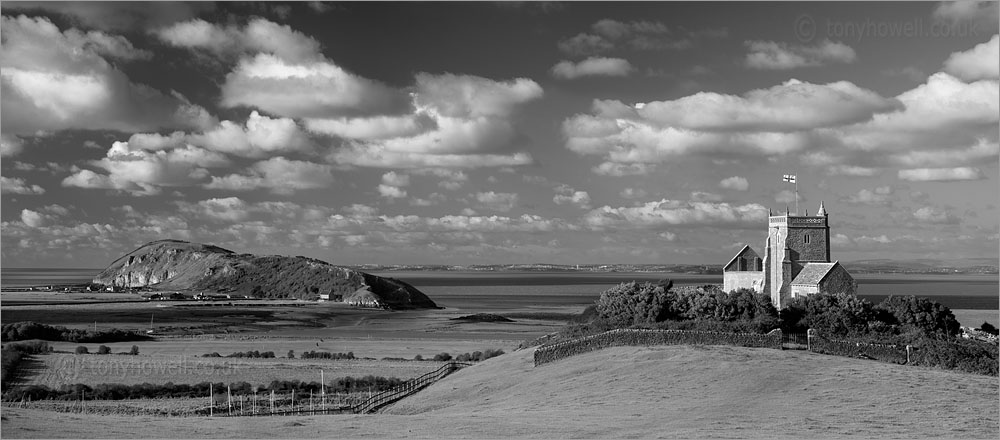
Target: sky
(495,133)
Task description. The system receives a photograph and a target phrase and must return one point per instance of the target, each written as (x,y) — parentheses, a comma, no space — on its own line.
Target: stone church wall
(733,280)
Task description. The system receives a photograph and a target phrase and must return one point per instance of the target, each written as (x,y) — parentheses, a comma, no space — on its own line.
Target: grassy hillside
(671,391)
(179,265)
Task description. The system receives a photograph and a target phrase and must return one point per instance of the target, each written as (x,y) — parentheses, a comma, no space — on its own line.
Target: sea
(499,290)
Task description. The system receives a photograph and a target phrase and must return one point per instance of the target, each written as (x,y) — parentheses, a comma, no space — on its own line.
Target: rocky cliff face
(180,265)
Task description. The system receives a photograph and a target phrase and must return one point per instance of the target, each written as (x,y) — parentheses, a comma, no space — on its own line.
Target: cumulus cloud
(663,213)
(280,175)
(566,195)
(260,136)
(607,34)
(31,218)
(931,214)
(495,201)
(117,16)
(468,126)
(10,145)
(980,62)
(770,55)
(879,196)
(593,66)
(794,105)
(372,128)
(965,12)
(941,174)
(54,80)
(142,172)
(307,88)
(633,193)
(258,36)
(392,183)
(14,185)
(735,183)
(622,169)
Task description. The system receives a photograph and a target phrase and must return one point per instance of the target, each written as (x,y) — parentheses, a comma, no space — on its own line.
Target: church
(796,261)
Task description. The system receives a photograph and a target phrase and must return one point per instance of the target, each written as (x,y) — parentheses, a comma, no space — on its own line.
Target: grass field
(629,392)
(54,370)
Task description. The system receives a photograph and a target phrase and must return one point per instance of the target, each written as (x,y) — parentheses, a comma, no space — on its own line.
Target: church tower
(792,241)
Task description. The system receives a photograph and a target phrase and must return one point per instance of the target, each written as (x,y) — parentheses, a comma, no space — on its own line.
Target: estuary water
(492,290)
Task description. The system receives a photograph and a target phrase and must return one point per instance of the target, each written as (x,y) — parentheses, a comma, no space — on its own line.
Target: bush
(81,350)
(134,351)
(418,358)
(442,357)
(291,354)
(957,354)
(838,315)
(104,349)
(931,318)
(18,331)
(632,303)
(989,328)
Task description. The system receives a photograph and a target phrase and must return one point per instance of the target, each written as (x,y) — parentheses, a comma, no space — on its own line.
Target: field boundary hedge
(896,354)
(629,337)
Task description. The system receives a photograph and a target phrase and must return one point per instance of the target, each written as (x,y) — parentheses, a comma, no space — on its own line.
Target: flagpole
(796,194)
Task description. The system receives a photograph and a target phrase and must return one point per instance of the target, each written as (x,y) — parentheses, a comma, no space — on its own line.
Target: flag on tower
(790,178)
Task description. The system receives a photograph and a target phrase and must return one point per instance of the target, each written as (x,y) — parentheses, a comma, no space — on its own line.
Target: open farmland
(54,370)
(625,392)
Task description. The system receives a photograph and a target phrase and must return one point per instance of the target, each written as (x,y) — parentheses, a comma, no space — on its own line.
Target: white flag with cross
(790,178)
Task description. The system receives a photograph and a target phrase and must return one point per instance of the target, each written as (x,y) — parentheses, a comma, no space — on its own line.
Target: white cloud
(376,156)
(468,121)
(391,192)
(850,170)
(980,62)
(623,169)
(791,106)
(676,213)
(14,185)
(280,175)
(306,89)
(261,136)
(964,12)
(593,66)
(33,219)
(735,183)
(930,214)
(941,174)
(142,172)
(788,196)
(372,128)
(396,179)
(770,55)
(118,15)
(701,196)
(54,80)
(468,96)
(879,196)
(495,201)
(633,193)
(567,195)
(258,36)
(229,209)
(10,145)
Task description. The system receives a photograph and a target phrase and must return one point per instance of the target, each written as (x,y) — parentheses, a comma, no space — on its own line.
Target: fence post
(908,348)
(809,339)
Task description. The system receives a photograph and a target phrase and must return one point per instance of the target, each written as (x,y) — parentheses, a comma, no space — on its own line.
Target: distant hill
(181,265)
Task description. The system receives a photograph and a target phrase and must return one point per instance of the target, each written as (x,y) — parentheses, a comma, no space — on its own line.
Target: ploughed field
(665,391)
